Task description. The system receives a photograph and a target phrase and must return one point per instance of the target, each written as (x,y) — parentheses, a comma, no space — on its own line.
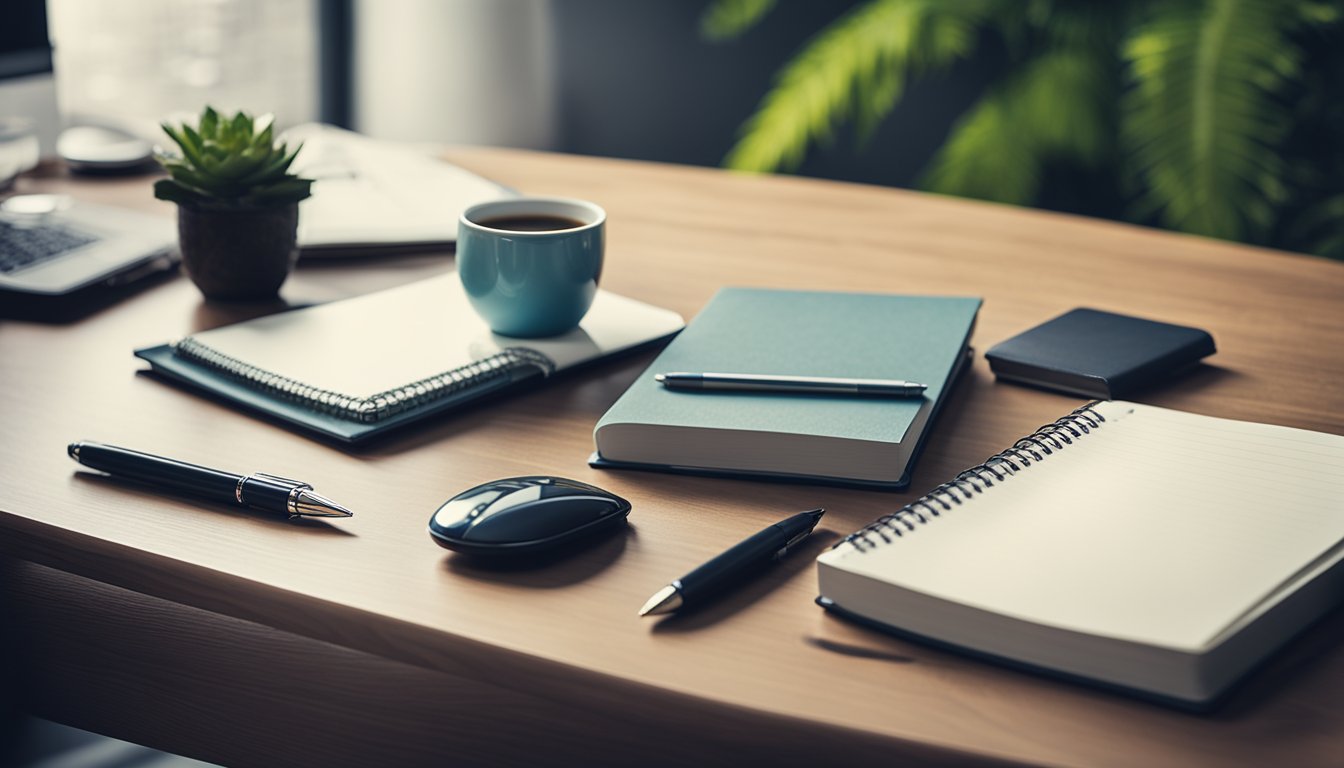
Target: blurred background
(1220,118)
(1215,117)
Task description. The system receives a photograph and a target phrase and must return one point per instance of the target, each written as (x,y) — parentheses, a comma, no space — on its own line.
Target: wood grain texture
(566,632)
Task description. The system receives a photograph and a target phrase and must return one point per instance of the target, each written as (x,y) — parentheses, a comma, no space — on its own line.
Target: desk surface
(765,669)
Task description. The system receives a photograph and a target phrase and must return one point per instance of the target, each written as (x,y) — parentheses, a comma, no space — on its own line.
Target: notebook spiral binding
(374,407)
(1035,447)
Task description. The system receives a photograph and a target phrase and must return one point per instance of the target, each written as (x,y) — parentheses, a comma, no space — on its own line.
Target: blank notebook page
(375,342)
(1160,526)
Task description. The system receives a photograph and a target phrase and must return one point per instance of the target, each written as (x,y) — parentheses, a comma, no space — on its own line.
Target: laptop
(60,258)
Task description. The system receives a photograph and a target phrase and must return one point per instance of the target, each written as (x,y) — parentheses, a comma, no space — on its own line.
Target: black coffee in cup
(530,222)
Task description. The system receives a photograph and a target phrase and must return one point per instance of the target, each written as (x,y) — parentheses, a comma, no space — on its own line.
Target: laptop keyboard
(26,246)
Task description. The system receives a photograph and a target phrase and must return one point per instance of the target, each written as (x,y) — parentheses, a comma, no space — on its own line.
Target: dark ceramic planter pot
(238,255)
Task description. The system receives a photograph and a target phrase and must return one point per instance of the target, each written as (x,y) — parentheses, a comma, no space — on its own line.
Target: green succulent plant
(228,164)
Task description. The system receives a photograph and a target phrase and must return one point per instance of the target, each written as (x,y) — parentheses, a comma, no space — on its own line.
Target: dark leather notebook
(1099,354)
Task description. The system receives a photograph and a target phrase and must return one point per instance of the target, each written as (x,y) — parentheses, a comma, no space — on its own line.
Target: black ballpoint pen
(813,385)
(749,556)
(267,492)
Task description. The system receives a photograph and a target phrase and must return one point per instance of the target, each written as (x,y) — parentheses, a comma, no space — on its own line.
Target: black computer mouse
(525,515)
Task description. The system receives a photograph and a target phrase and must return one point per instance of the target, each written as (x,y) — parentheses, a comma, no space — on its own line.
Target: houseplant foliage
(237,204)
(1191,108)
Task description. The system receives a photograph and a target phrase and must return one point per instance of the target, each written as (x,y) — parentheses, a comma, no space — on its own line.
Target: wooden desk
(239,639)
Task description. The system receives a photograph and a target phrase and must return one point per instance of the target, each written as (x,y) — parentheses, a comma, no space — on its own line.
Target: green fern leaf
(979,161)
(1203,117)
(854,68)
(727,19)
(1053,108)
(1034,25)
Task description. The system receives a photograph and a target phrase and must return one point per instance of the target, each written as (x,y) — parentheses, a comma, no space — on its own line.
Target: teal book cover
(827,438)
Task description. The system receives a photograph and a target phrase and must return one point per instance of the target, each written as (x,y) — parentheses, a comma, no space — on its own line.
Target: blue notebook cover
(860,441)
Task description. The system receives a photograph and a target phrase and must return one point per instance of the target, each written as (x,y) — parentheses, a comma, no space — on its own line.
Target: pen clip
(295,484)
(791,543)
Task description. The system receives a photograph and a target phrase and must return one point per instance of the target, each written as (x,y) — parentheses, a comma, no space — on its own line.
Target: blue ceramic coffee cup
(530,265)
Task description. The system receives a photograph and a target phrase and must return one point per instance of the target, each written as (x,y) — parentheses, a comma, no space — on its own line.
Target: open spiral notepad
(353,369)
(1148,549)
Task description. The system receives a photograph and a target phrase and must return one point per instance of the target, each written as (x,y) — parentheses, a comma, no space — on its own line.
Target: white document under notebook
(371,195)
(1151,549)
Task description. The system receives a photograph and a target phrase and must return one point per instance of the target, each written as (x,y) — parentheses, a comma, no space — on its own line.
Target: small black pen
(267,492)
(718,574)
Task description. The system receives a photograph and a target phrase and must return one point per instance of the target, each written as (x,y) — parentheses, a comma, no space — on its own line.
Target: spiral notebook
(1155,551)
(352,369)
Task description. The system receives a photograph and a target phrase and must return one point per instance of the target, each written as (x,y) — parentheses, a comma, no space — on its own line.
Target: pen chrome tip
(309,504)
(665,600)
(660,377)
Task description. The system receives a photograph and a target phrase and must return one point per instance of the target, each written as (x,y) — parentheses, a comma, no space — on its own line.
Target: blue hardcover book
(847,440)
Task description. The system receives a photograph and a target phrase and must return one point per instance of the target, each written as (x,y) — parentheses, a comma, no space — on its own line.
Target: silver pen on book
(758,382)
